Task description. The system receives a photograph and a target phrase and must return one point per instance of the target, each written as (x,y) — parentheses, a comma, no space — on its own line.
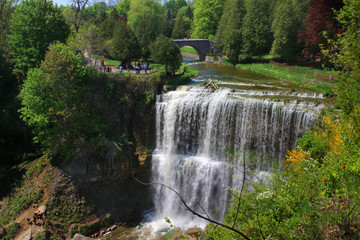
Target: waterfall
(203,138)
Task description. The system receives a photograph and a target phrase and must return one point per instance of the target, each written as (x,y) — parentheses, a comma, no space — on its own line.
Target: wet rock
(112,228)
(194,232)
(81,237)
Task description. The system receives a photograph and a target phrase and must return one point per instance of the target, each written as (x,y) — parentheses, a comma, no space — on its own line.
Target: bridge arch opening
(191,52)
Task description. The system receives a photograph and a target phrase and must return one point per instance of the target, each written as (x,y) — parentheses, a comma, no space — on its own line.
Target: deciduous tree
(35,24)
(53,101)
(145,18)
(207,14)
(165,51)
(319,25)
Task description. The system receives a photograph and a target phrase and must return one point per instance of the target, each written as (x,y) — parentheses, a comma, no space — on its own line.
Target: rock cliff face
(102,170)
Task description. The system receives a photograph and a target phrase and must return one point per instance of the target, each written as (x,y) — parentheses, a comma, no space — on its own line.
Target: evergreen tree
(256,29)
(124,45)
(179,28)
(228,35)
(288,16)
(207,14)
(35,24)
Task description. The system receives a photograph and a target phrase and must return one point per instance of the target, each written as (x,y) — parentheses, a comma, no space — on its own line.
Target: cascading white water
(203,139)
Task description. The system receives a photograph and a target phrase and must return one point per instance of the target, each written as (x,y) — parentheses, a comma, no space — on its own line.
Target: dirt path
(30,230)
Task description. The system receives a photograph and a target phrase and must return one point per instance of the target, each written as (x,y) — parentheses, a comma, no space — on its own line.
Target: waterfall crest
(203,138)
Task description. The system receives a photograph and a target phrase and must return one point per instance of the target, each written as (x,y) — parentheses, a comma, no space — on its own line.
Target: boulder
(81,237)
(194,232)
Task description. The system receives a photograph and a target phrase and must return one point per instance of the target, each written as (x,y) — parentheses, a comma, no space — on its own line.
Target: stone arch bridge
(202,46)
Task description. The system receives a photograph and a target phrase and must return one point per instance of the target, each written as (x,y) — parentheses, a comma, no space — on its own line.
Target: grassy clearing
(185,78)
(294,77)
(107,61)
(188,50)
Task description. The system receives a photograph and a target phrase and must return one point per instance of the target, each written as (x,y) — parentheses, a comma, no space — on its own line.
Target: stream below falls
(206,140)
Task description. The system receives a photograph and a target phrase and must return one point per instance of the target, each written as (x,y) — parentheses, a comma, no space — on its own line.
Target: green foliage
(124,45)
(315,146)
(188,73)
(145,18)
(12,231)
(19,201)
(165,51)
(207,14)
(53,102)
(34,25)
(256,29)
(288,18)
(348,57)
(228,34)
(179,28)
(123,7)
(87,230)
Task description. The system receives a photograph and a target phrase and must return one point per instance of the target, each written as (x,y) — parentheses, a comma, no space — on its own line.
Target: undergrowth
(188,73)
(315,196)
(29,192)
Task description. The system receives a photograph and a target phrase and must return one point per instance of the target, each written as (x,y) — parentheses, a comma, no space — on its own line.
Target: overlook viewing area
(202,46)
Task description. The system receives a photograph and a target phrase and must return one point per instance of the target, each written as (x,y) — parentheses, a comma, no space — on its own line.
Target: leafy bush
(12,231)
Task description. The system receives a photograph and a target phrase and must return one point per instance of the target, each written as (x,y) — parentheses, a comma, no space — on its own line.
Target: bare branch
(189,209)
(241,191)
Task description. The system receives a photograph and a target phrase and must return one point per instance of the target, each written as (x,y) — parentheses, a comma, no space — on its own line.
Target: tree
(228,35)
(145,18)
(179,28)
(319,24)
(288,16)
(124,45)
(123,7)
(35,24)
(7,7)
(79,6)
(256,29)
(53,103)
(165,51)
(207,14)
(348,58)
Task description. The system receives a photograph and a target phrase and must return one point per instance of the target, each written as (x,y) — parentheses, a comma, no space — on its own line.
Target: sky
(62,2)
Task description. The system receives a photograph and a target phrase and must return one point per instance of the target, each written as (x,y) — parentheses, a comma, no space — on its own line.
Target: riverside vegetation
(80,123)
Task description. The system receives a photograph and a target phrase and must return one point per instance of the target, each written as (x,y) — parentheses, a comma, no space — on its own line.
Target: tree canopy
(165,51)
(53,101)
(145,18)
(229,36)
(124,45)
(207,14)
(34,25)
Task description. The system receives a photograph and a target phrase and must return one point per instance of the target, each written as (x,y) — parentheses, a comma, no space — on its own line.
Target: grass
(107,61)
(294,77)
(189,50)
(20,201)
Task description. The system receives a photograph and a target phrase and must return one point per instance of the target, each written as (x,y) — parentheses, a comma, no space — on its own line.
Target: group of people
(137,66)
(38,215)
